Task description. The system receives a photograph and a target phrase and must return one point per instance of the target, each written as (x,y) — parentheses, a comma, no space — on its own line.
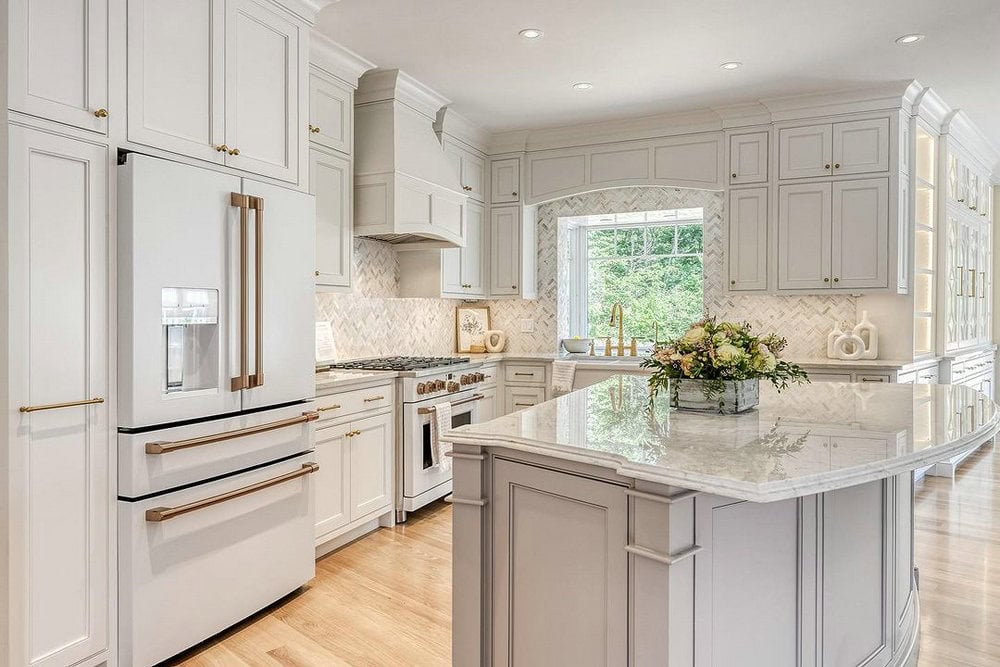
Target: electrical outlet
(527,326)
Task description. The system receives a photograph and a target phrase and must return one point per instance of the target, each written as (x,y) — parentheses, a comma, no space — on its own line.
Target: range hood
(405,189)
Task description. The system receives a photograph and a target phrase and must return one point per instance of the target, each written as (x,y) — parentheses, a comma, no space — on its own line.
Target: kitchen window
(649,261)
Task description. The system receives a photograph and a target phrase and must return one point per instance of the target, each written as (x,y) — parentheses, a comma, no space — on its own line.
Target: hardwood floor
(386,599)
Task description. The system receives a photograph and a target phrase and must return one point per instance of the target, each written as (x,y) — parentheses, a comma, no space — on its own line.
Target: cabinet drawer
(524,373)
(518,398)
(830,377)
(870,377)
(349,403)
(928,376)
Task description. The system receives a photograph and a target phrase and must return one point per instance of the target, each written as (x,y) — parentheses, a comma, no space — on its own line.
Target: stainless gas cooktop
(397,363)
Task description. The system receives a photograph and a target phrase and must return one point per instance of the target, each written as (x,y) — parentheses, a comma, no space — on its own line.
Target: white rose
(728,354)
(694,335)
(770,361)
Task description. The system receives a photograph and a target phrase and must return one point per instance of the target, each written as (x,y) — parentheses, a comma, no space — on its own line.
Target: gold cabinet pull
(351,434)
(972,280)
(257,379)
(314,129)
(982,281)
(234,151)
(961,280)
(243,380)
(59,406)
(222,148)
(329,407)
(372,399)
(165,447)
(158,514)
(101,113)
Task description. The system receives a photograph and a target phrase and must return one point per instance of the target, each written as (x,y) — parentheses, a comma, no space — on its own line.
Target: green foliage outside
(655,272)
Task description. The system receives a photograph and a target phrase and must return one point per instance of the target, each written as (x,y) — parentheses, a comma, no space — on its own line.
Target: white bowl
(576,345)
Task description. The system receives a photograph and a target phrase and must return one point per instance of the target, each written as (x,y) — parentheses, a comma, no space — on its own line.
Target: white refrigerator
(216,377)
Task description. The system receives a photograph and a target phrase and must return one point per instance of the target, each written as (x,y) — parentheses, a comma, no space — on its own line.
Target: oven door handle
(470,399)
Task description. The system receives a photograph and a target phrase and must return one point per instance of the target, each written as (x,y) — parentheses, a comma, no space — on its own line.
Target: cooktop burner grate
(398,363)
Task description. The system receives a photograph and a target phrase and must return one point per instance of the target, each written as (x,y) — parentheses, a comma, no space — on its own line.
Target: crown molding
(457,126)
(742,115)
(873,98)
(304,10)
(336,60)
(959,127)
(382,85)
(929,107)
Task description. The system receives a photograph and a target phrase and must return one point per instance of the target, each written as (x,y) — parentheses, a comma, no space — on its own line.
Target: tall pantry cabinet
(217,81)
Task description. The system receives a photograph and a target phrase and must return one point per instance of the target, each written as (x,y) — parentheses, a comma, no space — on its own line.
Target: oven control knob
(466,379)
(421,388)
(439,385)
(479,377)
(454,386)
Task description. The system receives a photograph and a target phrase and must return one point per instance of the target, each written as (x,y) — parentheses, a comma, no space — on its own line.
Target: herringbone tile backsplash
(372,320)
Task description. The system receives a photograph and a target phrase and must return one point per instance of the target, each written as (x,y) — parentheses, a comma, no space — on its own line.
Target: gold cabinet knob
(317,274)
(101,113)
(513,286)
(826,280)
(234,151)
(836,165)
(732,282)
(733,175)
(222,148)
(314,129)
(513,194)
(826,166)
(836,280)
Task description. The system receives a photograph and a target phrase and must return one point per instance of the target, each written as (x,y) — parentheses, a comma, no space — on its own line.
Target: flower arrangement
(718,353)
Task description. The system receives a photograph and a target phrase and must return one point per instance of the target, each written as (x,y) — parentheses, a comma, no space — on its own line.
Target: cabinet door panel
(505,241)
(332,483)
(805,151)
(330,182)
(59,458)
(804,230)
(505,181)
(371,465)
(474,252)
(176,86)
(861,146)
(474,175)
(330,110)
(748,158)
(748,239)
(59,60)
(262,68)
(519,398)
(535,535)
(861,233)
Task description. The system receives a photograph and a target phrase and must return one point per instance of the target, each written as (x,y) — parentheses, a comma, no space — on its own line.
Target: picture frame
(471,325)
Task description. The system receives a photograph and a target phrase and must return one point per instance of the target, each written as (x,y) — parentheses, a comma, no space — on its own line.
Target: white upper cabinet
(463,270)
(861,147)
(505,180)
(59,61)
(470,167)
(804,236)
(59,454)
(505,240)
(331,108)
(748,239)
(176,82)
(851,147)
(860,233)
(217,80)
(748,158)
(330,182)
(262,66)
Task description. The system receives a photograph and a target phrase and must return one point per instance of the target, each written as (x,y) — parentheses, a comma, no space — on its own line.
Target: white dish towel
(440,424)
(563,375)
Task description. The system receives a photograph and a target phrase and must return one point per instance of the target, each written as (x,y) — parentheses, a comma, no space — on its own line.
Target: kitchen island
(595,529)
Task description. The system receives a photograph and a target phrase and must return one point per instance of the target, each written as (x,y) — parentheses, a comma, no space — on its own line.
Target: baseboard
(342,537)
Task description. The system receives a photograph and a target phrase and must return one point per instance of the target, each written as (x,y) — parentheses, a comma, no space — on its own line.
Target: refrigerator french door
(216,302)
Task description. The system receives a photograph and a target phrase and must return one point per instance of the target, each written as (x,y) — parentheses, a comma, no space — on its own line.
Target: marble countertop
(600,359)
(808,439)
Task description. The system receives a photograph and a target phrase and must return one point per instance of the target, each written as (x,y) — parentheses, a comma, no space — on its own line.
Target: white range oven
(422,383)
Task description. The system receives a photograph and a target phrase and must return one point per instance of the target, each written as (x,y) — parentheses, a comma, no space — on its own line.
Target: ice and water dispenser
(190,322)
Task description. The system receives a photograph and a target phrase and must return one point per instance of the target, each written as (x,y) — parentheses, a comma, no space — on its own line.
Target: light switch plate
(527,326)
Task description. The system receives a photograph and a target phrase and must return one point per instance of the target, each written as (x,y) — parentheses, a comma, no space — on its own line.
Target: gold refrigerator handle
(158,514)
(243,380)
(257,379)
(57,406)
(165,447)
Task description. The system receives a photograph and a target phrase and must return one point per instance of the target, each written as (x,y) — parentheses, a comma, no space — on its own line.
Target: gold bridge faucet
(617,309)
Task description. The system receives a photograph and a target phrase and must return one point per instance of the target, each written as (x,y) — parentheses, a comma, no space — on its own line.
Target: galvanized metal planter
(727,397)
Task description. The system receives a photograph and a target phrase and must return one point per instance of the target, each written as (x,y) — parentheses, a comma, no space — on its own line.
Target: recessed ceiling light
(531,33)
(732,64)
(583,85)
(912,38)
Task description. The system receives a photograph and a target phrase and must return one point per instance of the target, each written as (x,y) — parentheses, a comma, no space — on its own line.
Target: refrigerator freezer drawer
(214,560)
(156,461)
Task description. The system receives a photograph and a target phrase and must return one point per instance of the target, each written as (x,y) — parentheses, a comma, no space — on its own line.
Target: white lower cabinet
(518,398)
(355,457)
(59,443)
(330,182)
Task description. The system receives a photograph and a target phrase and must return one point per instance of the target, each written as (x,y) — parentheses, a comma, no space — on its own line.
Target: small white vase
(867,332)
(831,339)
(849,347)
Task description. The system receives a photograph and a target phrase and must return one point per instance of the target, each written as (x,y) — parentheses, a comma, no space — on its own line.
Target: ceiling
(655,56)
